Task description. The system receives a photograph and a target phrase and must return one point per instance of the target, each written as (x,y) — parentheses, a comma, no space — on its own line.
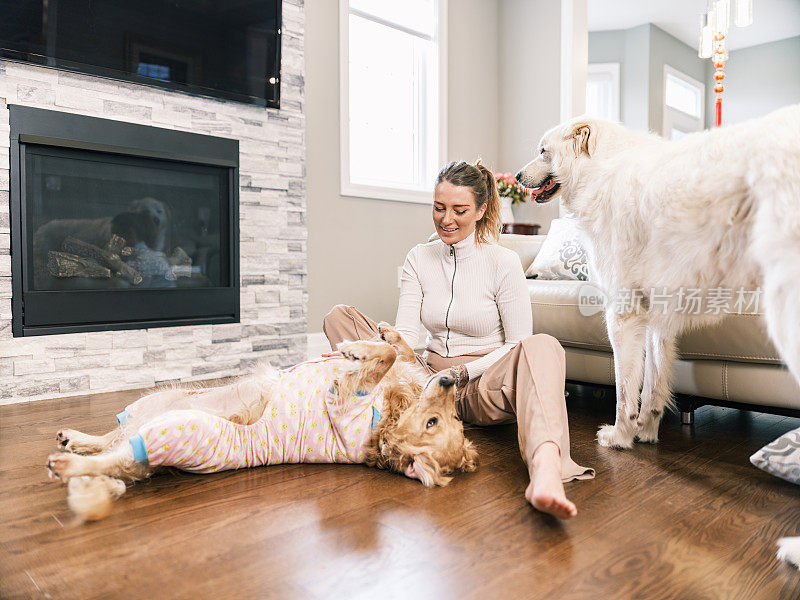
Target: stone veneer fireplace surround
(272,236)
(67,170)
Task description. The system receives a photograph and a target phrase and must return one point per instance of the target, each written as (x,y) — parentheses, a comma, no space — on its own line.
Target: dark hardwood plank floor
(688,518)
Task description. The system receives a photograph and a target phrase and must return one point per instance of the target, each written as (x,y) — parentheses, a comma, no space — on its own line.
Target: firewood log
(73,245)
(115,244)
(118,245)
(63,264)
(181,262)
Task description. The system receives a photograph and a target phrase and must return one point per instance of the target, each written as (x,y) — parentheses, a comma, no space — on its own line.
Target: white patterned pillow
(563,254)
(782,457)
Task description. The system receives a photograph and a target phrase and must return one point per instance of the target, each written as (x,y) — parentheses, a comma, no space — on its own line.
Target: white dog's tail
(90,498)
(789,550)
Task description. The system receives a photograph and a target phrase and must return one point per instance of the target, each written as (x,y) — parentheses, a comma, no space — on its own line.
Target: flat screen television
(222,48)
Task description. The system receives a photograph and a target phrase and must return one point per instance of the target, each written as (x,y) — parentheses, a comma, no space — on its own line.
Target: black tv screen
(223,48)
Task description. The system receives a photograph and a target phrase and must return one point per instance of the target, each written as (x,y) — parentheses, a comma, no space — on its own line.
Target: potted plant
(511,192)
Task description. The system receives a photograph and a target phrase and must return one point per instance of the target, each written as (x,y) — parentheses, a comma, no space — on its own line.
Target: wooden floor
(689,519)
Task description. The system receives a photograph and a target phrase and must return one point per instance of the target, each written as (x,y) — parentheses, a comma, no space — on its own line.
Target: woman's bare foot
(545,491)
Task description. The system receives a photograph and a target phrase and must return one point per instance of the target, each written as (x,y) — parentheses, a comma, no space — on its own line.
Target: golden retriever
(418,433)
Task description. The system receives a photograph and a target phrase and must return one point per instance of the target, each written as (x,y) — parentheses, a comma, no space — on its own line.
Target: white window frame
(674,118)
(613,70)
(347,188)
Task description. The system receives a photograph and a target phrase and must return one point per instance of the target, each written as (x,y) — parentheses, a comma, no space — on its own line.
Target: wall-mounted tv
(222,48)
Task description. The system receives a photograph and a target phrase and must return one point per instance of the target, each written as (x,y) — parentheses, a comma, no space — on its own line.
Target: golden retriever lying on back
(367,407)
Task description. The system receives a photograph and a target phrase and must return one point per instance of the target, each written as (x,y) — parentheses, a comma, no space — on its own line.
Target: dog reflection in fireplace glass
(139,247)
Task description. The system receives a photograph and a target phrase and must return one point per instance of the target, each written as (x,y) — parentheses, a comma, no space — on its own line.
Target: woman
(471,297)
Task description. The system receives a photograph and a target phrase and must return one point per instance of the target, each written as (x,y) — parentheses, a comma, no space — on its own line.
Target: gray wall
(758,79)
(668,50)
(642,53)
(635,70)
(630,48)
(356,244)
(530,100)
(473,80)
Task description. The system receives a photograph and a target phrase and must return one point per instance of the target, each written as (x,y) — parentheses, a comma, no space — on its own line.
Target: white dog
(153,228)
(718,209)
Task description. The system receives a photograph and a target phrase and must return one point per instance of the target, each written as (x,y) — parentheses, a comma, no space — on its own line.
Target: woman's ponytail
(489,226)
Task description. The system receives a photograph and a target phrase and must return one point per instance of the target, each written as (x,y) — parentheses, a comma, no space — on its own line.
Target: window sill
(387,193)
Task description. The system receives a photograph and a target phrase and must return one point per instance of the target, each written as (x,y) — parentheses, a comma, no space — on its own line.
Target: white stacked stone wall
(272,229)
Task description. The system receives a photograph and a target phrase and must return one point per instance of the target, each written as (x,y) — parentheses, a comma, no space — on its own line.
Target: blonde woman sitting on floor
(470,295)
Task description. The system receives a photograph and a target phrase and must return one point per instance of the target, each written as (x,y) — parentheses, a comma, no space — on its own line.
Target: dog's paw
(356,351)
(63,440)
(610,437)
(648,431)
(789,550)
(63,466)
(70,440)
(388,333)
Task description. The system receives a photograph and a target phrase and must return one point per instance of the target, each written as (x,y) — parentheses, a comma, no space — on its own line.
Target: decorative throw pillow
(563,255)
(782,457)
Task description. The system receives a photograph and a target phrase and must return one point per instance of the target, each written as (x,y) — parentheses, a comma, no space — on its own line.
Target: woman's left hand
(458,373)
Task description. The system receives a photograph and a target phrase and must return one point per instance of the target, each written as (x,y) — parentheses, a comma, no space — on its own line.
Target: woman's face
(454,212)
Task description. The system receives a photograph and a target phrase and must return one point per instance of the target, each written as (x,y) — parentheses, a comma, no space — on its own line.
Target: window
(602,91)
(392,97)
(684,104)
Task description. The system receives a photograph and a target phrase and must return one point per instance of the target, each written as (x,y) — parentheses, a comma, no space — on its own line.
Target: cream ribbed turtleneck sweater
(468,296)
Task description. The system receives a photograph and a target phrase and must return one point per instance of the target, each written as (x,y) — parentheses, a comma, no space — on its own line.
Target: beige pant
(526,385)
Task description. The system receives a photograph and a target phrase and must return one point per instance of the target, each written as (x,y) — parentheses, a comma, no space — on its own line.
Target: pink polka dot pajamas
(303,422)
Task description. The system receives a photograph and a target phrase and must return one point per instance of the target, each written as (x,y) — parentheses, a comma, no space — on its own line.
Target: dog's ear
(584,138)
(469,461)
(427,470)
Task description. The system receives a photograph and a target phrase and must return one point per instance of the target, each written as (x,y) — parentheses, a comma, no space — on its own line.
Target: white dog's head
(566,152)
(560,150)
(157,211)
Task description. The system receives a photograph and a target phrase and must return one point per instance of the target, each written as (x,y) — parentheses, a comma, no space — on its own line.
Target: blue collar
(376,414)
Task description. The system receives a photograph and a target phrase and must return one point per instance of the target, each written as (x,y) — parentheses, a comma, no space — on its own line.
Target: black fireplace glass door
(101,221)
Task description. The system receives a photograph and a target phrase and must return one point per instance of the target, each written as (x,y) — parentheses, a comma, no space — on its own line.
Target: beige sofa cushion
(556,311)
(526,246)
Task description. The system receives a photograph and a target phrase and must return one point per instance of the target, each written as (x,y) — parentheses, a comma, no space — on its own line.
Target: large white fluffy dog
(716,210)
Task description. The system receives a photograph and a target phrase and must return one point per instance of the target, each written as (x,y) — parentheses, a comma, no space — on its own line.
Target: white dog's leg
(782,299)
(71,440)
(627,335)
(776,245)
(656,389)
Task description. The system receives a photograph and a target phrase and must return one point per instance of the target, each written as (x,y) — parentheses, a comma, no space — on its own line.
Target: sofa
(732,363)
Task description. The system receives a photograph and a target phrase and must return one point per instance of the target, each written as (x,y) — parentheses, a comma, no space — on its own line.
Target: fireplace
(120,226)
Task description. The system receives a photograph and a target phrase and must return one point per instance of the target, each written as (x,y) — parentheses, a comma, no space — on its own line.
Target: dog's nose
(446,381)
(518,176)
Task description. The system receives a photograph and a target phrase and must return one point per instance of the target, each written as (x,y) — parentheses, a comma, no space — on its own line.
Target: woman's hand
(458,373)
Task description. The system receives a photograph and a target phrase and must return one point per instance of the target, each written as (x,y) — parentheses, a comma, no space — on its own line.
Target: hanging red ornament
(718,58)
